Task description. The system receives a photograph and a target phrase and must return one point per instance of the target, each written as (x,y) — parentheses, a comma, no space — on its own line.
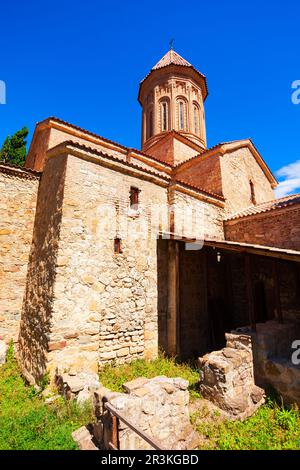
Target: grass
(113,377)
(273,427)
(26,422)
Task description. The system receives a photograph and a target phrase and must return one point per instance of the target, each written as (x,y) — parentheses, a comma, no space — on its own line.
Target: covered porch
(221,287)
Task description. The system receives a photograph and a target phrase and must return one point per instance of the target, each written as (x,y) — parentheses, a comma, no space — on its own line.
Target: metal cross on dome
(171,43)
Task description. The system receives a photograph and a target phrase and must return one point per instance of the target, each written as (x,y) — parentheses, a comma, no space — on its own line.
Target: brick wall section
(163,150)
(204,173)
(278,228)
(171,150)
(38,149)
(18,193)
(238,168)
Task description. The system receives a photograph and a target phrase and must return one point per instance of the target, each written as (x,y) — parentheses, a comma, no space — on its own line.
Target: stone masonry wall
(197,219)
(105,304)
(18,193)
(38,300)
(227,377)
(158,406)
(272,353)
(47,138)
(280,228)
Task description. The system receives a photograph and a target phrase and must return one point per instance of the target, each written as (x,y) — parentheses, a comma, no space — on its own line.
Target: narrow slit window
(134,198)
(150,124)
(117,245)
(164,117)
(196,119)
(252,192)
(181,116)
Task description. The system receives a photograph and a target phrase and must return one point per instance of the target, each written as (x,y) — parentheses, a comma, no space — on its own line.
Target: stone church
(111,253)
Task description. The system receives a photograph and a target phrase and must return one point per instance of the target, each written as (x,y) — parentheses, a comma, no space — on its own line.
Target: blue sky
(82,62)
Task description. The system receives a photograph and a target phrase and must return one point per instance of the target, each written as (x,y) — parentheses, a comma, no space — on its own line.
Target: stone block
(3,349)
(123,352)
(129,387)
(227,378)
(83,439)
(108,355)
(56,345)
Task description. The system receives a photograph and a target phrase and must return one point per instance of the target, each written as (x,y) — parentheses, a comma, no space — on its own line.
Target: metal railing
(116,415)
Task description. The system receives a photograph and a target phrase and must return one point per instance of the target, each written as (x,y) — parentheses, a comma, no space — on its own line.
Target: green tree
(13,150)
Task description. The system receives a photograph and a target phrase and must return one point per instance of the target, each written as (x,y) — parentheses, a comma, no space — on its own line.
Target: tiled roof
(87,148)
(241,143)
(18,170)
(202,154)
(255,249)
(181,136)
(81,129)
(171,57)
(197,188)
(267,206)
(132,165)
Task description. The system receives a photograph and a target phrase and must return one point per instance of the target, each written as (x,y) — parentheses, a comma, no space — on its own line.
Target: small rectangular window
(117,245)
(134,198)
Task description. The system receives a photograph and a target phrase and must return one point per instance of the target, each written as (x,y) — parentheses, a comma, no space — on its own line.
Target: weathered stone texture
(92,305)
(279,228)
(227,377)
(83,439)
(159,407)
(196,218)
(107,300)
(3,349)
(55,133)
(37,307)
(272,353)
(18,194)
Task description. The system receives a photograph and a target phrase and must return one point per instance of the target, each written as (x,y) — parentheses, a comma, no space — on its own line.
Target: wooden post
(205,282)
(211,338)
(173,262)
(276,283)
(250,294)
(114,437)
(297,277)
(229,290)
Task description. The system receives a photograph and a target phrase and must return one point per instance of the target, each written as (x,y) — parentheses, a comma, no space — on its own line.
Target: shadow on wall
(38,300)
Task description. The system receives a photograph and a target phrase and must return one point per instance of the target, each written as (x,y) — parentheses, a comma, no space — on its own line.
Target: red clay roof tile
(267,206)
